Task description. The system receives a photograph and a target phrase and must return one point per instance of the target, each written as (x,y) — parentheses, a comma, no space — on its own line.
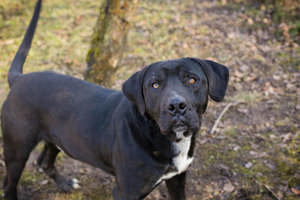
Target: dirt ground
(253,153)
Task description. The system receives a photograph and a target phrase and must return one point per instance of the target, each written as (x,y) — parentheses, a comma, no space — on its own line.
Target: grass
(250,98)
(61,39)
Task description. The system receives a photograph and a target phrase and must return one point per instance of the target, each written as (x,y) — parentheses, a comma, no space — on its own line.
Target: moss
(283,122)
(293,149)
(287,59)
(294,181)
(31,177)
(291,197)
(231,131)
(108,41)
(250,98)
(273,170)
(100,194)
(76,196)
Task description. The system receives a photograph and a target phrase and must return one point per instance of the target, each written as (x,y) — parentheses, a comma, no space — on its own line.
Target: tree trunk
(109,40)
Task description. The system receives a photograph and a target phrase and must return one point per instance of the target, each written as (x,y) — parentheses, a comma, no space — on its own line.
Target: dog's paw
(68,185)
(40,169)
(75,184)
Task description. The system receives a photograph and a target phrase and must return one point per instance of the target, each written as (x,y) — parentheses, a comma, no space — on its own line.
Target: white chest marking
(181,162)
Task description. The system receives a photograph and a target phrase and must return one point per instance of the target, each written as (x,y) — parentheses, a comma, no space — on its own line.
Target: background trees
(109,40)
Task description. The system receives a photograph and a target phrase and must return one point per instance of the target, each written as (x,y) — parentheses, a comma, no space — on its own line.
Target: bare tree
(109,40)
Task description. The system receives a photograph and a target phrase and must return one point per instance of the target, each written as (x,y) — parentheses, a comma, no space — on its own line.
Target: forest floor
(254,153)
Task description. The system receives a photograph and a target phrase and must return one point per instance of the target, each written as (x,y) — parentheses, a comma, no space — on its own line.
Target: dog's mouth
(179,127)
(179,133)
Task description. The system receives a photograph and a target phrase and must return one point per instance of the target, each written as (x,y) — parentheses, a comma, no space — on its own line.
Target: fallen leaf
(228,187)
(295,191)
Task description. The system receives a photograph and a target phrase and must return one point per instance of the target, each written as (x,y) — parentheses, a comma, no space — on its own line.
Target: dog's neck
(147,133)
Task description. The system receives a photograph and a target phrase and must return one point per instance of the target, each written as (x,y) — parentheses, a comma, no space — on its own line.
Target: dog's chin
(177,133)
(181,133)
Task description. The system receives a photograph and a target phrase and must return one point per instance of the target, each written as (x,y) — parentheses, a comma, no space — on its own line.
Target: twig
(269,190)
(272,193)
(221,115)
(2,163)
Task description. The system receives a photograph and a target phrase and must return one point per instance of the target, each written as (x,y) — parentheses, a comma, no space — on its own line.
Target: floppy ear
(133,90)
(217,75)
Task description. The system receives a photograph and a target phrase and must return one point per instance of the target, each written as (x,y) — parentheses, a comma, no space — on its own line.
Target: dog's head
(174,93)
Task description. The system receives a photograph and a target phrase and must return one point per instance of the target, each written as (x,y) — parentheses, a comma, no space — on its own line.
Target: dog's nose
(177,105)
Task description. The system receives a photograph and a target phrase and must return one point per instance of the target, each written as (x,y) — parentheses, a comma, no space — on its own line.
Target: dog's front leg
(118,196)
(176,187)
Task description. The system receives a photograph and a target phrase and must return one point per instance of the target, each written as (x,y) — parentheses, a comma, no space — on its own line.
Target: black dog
(143,135)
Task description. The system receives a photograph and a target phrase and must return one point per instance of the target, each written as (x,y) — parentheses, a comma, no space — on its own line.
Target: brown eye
(155,85)
(192,81)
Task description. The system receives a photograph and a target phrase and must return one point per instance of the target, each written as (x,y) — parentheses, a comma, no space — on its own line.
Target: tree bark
(109,40)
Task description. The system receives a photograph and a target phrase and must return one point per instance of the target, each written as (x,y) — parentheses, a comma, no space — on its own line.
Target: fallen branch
(2,163)
(221,115)
(268,189)
(271,192)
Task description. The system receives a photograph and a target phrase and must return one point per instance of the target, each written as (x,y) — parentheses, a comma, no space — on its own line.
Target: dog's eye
(192,81)
(155,85)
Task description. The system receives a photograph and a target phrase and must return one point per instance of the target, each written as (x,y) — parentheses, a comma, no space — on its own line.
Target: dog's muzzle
(176,105)
(176,108)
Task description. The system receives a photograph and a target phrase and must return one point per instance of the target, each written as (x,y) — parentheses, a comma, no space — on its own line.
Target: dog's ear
(133,90)
(217,75)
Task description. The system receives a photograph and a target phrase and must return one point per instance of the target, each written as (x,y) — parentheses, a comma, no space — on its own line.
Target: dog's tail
(16,67)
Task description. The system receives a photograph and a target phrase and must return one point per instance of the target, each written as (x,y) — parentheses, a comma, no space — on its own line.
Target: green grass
(61,40)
